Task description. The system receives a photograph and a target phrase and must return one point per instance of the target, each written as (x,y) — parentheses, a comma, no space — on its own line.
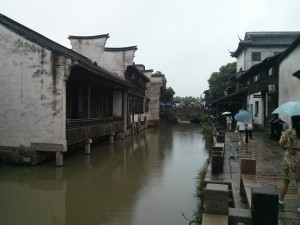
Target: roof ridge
(41,40)
(134,47)
(89,37)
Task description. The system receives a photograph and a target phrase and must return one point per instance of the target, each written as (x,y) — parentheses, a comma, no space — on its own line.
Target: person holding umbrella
(291,162)
(229,122)
(240,127)
(242,116)
(249,125)
(291,144)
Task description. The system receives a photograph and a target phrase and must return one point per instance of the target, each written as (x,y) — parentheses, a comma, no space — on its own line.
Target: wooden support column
(87,147)
(89,98)
(112,138)
(59,158)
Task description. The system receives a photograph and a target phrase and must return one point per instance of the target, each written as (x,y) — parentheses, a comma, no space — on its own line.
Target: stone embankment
(243,182)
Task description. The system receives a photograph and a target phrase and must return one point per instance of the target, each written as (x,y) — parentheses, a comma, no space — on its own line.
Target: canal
(146,179)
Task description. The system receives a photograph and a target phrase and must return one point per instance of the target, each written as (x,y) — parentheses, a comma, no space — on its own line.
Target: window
(256,108)
(256,56)
(139,106)
(270,71)
(256,77)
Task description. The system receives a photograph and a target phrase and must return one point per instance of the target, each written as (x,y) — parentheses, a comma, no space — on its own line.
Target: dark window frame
(256,56)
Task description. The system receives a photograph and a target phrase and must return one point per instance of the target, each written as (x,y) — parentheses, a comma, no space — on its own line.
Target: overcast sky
(187,40)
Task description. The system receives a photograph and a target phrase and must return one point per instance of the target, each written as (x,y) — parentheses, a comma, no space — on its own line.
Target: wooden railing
(79,130)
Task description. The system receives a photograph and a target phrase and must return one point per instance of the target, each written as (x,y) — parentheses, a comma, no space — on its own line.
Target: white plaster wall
(91,48)
(153,93)
(117,103)
(240,62)
(148,74)
(289,86)
(30,111)
(116,61)
(258,119)
(245,62)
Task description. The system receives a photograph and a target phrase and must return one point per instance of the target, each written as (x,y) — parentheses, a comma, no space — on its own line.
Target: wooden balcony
(79,130)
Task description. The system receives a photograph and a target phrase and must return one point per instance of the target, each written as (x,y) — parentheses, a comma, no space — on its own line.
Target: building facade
(261,81)
(53,97)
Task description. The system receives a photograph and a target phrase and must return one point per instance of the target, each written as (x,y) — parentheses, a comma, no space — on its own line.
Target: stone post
(59,158)
(216,199)
(112,138)
(87,147)
(264,206)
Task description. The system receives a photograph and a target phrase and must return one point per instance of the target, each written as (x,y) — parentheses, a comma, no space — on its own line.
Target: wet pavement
(269,171)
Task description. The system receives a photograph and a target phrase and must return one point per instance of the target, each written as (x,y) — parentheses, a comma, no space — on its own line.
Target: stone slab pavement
(269,171)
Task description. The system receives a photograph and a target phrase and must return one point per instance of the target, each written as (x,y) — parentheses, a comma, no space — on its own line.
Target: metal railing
(74,123)
(78,130)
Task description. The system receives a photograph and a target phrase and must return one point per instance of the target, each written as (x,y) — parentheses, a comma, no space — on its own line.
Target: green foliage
(201,190)
(166,94)
(188,100)
(200,194)
(207,129)
(169,116)
(219,81)
(206,119)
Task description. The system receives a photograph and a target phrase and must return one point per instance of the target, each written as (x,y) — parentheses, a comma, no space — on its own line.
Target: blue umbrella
(288,108)
(243,116)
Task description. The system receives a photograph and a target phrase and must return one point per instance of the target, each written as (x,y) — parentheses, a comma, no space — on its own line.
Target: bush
(169,116)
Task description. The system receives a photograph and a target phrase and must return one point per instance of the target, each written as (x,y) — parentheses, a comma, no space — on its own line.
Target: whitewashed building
(52,97)
(252,50)
(289,77)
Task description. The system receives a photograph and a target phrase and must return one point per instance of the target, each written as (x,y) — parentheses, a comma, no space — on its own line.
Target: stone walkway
(269,171)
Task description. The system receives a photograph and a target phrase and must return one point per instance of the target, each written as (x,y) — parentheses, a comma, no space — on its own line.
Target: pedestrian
(229,122)
(240,127)
(291,162)
(249,125)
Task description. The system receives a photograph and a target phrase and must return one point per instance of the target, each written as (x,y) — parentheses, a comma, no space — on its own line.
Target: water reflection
(144,179)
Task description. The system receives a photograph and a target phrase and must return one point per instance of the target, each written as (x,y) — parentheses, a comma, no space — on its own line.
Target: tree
(188,101)
(166,94)
(219,81)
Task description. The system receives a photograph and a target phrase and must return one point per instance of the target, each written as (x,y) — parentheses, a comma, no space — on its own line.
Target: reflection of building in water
(102,188)
(26,201)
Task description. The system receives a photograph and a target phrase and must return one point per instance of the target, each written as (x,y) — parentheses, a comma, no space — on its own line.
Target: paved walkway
(269,171)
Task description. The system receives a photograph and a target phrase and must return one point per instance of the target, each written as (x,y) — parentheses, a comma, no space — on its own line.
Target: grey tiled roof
(121,48)
(58,49)
(264,39)
(89,37)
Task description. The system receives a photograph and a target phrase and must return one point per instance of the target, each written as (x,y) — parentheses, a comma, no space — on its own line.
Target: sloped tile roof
(265,39)
(58,49)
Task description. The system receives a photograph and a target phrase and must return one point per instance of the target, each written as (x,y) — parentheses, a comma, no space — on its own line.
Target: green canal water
(147,179)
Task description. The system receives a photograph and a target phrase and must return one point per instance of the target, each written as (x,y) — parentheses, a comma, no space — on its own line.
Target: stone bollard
(264,206)
(248,166)
(220,138)
(216,199)
(217,162)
